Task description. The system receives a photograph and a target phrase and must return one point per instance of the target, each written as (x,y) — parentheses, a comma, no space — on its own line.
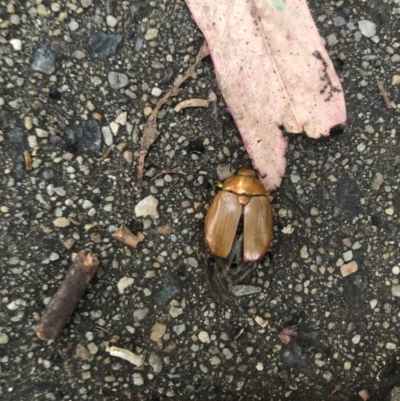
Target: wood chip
(124,235)
(191,103)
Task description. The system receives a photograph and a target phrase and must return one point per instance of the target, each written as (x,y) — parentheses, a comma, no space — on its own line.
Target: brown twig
(167,171)
(67,296)
(150,133)
(384,95)
(28,160)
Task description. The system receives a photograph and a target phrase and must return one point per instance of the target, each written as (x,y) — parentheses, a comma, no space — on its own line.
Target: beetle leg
(217,277)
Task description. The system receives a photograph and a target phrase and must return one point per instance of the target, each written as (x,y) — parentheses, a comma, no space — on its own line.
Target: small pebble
(151,34)
(304,252)
(86,3)
(16,44)
(73,26)
(349,268)
(3,338)
(124,283)
(347,256)
(79,54)
(204,337)
(107,135)
(147,207)
(111,21)
(61,222)
(367,28)
(179,329)
(138,379)
(396,291)
(175,312)
(117,80)
(156,92)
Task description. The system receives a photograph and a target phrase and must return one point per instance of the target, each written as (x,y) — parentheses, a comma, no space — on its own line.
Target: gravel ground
(63,85)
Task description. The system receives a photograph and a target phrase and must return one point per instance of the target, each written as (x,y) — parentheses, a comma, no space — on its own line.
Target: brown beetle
(242,195)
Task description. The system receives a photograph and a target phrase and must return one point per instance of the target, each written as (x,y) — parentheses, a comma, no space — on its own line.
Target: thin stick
(150,132)
(67,297)
(384,95)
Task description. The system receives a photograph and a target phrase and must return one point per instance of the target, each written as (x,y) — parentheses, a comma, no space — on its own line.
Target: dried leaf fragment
(124,235)
(123,353)
(287,333)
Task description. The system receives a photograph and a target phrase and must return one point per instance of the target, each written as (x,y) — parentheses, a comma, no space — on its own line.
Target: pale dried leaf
(274,71)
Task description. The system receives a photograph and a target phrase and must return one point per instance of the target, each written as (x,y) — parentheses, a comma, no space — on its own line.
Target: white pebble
(124,283)
(367,28)
(111,21)
(347,256)
(3,338)
(396,270)
(61,222)
(156,92)
(373,303)
(147,207)
(73,26)
(204,337)
(87,204)
(54,256)
(108,136)
(151,34)
(108,207)
(356,339)
(396,291)
(138,379)
(16,44)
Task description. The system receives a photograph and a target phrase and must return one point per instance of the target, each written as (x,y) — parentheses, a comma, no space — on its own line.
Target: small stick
(28,160)
(167,171)
(384,95)
(67,296)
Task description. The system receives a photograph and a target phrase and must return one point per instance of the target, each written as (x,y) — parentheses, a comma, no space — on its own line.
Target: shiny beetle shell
(242,193)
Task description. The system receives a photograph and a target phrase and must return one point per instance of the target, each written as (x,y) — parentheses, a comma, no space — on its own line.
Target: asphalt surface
(338,203)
